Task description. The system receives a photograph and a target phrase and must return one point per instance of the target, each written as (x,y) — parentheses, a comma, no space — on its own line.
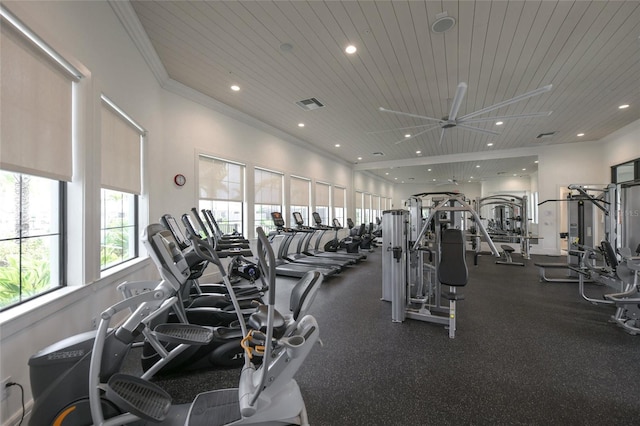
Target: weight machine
(510,223)
(580,231)
(420,256)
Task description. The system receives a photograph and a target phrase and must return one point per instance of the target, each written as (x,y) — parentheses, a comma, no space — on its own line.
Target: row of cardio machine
(182,324)
(296,255)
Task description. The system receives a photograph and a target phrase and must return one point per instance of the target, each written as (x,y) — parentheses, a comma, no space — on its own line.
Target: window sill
(16,319)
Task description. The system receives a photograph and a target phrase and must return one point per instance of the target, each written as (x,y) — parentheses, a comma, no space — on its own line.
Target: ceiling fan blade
(507,102)
(508,117)
(398,128)
(417,134)
(477,129)
(409,115)
(441,136)
(457,101)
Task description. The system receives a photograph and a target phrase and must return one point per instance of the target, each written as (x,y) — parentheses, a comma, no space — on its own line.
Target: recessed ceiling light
(337,145)
(536,161)
(623,106)
(490,144)
(470,177)
(351,49)
(477,166)
(396,178)
(580,134)
(407,135)
(499,123)
(418,152)
(434,180)
(514,174)
(524,170)
(359,158)
(386,173)
(428,170)
(235,88)
(300,124)
(469,181)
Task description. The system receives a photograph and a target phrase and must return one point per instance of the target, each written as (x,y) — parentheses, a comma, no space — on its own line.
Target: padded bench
(506,256)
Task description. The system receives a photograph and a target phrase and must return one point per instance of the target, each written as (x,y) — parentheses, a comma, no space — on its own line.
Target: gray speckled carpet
(525,352)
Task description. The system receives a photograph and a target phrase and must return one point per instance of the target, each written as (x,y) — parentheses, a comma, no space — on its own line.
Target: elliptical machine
(78,385)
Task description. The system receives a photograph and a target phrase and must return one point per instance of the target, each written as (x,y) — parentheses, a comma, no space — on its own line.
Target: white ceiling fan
(452,181)
(452,120)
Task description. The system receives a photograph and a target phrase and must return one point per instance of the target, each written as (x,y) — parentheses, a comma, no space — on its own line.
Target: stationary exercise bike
(73,385)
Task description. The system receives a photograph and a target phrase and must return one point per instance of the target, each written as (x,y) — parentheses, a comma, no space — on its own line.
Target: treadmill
(320,229)
(286,267)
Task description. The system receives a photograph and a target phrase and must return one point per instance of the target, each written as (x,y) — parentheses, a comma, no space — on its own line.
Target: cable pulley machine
(421,256)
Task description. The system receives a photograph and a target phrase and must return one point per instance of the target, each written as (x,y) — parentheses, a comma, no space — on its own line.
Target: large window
(299,198)
(268,197)
(322,201)
(339,204)
(36,100)
(118,228)
(31,237)
(367,209)
(359,209)
(121,185)
(375,209)
(221,186)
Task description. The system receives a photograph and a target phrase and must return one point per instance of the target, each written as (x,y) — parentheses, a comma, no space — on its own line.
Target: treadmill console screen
(297,217)
(170,223)
(316,218)
(278,221)
(336,223)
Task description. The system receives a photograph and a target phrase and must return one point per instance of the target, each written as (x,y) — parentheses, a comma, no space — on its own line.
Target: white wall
(558,167)
(514,185)
(403,191)
(196,129)
(622,146)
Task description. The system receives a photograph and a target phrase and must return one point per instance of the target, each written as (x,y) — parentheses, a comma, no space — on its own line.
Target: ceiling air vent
(545,135)
(378,154)
(310,104)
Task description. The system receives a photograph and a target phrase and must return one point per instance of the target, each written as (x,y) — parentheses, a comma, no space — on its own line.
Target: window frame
(242,202)
(267,224)
(61,246)
(136,231)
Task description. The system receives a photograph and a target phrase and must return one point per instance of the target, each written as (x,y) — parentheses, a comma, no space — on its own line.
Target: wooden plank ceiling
(588,50)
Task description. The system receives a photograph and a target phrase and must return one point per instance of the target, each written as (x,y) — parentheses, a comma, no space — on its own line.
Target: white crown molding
(450,158)
(129,19)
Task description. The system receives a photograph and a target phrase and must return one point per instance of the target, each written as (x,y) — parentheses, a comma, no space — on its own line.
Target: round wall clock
(179,179)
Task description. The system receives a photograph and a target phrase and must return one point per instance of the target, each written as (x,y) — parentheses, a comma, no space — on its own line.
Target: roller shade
(338,197)
(299,191)
(36,104)
(120,142)
(268,187)
(358,200)
(220,179)
(322,194)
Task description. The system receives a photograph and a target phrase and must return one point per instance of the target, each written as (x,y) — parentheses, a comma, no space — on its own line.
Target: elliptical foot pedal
(215,408)
(139,397)
(189,334)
